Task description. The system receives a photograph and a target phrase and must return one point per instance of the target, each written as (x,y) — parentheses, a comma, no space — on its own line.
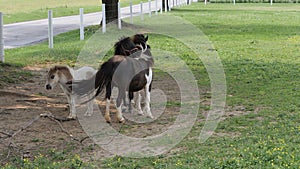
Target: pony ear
(140,47)
(146,38)
(127,53)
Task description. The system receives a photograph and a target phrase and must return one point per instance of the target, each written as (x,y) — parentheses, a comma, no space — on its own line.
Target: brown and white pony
(61,75)
(130,69)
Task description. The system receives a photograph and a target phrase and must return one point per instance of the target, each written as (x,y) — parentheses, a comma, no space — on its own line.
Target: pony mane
(62,68)
(140,39)
(124,46)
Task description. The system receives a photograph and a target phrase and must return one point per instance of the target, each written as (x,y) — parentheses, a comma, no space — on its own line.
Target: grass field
(259,46)
(25,10)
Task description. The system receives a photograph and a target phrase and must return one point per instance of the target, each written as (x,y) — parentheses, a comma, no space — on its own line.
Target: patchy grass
(12,74)
(54,159)
(259,46)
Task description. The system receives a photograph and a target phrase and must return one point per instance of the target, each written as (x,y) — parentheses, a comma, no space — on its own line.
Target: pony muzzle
(48,87)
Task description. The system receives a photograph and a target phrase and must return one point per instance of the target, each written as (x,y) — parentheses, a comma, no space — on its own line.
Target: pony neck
(66,75)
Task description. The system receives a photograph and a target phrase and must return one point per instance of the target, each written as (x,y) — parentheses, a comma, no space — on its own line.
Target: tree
(163,5)
(111,10)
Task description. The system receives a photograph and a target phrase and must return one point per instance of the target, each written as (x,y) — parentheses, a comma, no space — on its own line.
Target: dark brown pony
(130,69)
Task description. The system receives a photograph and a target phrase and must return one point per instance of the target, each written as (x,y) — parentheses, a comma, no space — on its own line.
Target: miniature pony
(61,75)
(130,73)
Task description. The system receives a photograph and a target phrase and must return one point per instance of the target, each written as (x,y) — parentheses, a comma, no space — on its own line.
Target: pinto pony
(61,75)
(130,69)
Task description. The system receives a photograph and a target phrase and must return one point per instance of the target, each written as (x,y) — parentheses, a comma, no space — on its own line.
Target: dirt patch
(22,103)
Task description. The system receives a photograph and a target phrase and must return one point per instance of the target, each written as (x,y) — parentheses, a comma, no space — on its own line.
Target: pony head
(124,46)
(57,74)
(140,39)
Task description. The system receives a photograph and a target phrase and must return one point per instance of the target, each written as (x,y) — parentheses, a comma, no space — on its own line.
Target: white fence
(140,9)
(1,39)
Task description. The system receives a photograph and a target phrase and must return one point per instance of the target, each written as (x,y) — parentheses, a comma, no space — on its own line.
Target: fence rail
(1,39)
(141,9)
(252,1)
(141,12)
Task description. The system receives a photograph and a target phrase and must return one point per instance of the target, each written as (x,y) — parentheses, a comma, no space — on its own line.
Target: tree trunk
(111,10)
(163,5)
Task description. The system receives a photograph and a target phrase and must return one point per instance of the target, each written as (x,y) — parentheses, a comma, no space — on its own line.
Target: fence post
(205,2)
(233,2)
(149,1)
(142,17)
(161,8)
(119,16)
(271,2)
(81,24)
(169,2)
(155,7)
(1,39)
(103,19)
(50,29)
(166,6)
(130,6)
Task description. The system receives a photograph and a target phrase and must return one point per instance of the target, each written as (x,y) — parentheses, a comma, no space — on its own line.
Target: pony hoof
(71,117)
(122,120)
(107,119)
(88,114)
(150,116)
(141,113)
(124,109)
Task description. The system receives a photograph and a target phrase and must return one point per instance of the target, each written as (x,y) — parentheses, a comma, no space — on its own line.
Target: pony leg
(119,115)
(90,108)
(130,96)
(107,114)
(138,103)
(147,102)
(107,96)
(72,114)
(124,105)
(119,106)
(147,94)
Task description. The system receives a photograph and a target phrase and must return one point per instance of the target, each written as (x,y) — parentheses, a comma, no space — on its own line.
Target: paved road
(32,32)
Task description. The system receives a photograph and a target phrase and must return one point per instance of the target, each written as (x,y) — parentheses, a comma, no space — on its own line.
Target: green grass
(11,74)
(253,1)
(259,46)
(54,160)
(26,10)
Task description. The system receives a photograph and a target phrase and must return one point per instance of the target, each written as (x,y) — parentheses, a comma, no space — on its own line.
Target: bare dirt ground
(24,133)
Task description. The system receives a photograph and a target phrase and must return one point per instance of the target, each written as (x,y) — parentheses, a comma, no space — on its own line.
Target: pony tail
(97,82)
(83,87)
(103,76)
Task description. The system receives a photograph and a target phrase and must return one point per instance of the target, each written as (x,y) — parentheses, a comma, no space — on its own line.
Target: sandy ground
(20,104)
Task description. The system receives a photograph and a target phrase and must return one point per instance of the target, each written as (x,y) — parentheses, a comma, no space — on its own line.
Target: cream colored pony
(63,74)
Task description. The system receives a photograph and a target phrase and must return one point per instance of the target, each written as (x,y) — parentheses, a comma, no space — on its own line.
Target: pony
(127,46)
(61,75)
(130,69)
